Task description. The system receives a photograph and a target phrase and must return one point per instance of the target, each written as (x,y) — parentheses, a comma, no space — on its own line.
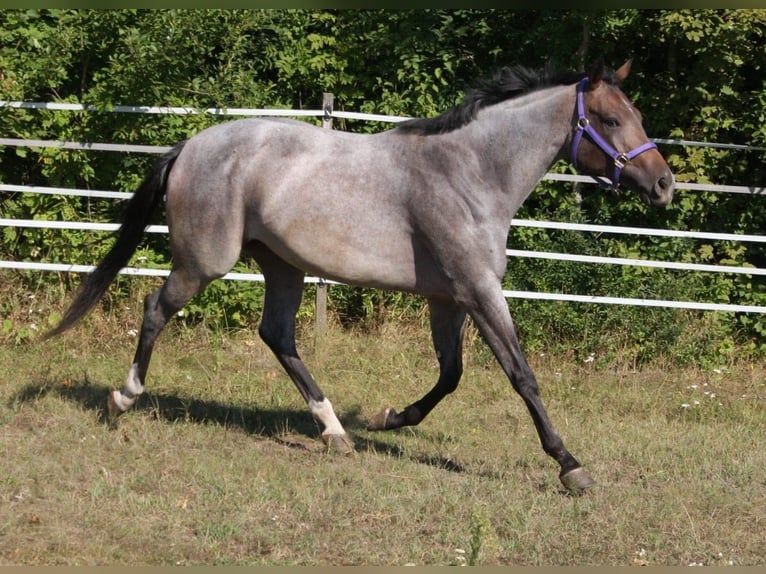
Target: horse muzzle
(661,192)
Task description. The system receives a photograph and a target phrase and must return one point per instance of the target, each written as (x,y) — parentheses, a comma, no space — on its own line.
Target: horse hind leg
(159,307)
(447,328)
(284,290)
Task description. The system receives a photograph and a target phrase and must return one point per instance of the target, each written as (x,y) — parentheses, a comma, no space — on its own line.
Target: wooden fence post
(321,297)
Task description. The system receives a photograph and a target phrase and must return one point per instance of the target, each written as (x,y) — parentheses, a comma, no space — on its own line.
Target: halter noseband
(584,127)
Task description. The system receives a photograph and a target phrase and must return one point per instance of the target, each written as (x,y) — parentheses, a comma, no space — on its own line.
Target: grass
(221,464)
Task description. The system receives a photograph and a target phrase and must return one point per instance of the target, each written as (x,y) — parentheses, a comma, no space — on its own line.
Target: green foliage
(226,305)
(697,75)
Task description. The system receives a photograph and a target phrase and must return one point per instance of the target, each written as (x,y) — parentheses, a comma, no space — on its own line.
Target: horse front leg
(489,310)
(490,313)
(447,327)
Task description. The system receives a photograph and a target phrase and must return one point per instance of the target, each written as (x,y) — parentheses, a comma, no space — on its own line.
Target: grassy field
(220,462)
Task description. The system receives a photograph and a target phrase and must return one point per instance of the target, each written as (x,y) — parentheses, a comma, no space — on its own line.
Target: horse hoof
(576,480)
(112,411)
(378,422)
(338,443)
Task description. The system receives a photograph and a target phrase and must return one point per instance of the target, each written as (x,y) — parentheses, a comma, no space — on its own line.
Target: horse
(424,207)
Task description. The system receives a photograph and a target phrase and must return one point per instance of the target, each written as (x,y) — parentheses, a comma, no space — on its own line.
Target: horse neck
(522,138)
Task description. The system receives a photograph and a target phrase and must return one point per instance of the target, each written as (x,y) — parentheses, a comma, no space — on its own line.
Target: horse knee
(526,385)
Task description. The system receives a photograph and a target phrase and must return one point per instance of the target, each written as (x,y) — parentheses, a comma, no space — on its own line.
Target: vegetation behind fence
(697,76)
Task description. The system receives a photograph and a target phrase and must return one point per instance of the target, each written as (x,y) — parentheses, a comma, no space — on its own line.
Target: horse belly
(358,256)
(347,243)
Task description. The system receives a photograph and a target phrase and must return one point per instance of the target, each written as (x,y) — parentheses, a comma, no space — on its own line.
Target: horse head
(609,139)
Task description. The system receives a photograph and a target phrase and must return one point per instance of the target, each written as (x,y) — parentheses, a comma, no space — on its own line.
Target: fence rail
(327,114)
(88,226)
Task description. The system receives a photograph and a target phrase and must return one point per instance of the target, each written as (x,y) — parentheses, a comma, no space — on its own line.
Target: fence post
(321,298)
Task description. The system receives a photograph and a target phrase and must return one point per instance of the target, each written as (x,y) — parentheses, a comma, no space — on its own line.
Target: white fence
(329,113)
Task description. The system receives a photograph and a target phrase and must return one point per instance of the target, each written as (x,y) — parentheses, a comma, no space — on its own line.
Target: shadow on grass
(267,423)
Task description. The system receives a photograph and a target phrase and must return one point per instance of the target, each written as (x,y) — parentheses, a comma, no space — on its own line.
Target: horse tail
(136,218)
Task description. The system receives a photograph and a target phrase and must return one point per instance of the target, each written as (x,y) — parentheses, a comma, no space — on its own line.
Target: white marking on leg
(128,395)
(324,413)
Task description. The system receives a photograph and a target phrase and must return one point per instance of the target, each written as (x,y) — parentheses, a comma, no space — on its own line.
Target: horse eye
(611,122)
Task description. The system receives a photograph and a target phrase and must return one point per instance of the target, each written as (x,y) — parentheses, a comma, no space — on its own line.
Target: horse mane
(509,82)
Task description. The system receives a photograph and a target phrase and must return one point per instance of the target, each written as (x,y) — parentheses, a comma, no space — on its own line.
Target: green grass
(220,463)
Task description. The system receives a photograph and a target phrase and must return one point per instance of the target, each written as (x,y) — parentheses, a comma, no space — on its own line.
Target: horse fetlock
(122,400)
(133,385)
(119,402)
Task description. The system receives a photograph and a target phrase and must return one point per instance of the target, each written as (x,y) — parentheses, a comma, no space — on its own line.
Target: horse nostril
(663,190)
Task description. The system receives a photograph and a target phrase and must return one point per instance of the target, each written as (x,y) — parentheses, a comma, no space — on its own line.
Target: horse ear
(623,71)
(597,71)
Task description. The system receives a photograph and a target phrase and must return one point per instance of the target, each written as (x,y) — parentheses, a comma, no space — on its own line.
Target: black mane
(508,83)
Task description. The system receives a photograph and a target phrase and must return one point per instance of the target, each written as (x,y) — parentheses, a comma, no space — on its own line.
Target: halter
(584,127)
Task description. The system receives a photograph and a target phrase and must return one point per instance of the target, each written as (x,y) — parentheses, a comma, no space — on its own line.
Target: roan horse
(424,207)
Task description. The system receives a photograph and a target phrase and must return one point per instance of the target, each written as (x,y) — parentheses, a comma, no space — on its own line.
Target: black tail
(137,214)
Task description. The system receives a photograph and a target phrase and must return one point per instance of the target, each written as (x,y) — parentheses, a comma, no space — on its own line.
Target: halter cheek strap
(621,159)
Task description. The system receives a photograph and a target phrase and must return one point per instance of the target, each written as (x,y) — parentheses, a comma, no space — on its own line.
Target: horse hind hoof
(378,422)
(338,443)
(113,411)
(577,480)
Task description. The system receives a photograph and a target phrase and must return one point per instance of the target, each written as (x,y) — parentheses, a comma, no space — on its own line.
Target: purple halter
(584,127)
